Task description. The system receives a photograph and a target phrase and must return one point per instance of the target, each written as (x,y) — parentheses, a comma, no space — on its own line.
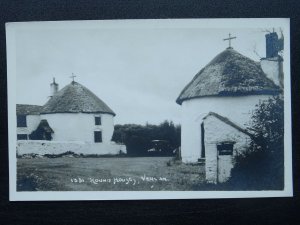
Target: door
(224,161)
(202,141)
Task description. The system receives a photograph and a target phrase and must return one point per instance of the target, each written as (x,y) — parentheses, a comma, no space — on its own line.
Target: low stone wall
(78,147)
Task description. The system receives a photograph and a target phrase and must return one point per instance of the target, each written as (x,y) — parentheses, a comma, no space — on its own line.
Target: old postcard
(149,109)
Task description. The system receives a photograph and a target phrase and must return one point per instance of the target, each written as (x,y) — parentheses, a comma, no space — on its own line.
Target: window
(97,120)
(22,137)
(225,148)
(98,136)
(21,121)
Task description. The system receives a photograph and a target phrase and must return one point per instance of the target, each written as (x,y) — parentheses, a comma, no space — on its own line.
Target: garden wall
(78,147)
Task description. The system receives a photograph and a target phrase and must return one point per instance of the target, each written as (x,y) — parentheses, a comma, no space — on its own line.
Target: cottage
(218,103)
(28,119)
(72,115)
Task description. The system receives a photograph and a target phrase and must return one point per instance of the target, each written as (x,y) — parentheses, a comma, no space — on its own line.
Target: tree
(42,132)
(262,166)
(138,138)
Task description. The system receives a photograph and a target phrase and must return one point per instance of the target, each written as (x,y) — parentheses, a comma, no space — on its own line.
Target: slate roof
(75,98)
(23,109)
(229,74)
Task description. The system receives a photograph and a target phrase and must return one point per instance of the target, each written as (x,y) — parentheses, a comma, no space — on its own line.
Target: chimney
(53,88)
(272,45)
(272,64)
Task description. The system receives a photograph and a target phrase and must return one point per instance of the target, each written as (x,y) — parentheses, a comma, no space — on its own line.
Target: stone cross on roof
(229,40)
(73,76)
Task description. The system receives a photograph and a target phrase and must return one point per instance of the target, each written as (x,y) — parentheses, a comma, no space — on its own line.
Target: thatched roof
(229,74)
(28,109)
(75,98)
(229,122)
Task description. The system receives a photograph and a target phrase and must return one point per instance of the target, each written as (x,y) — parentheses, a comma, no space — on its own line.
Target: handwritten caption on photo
(119,180)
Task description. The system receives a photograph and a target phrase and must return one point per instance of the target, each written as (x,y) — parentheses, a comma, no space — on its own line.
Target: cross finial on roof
(229,40)
(73,76)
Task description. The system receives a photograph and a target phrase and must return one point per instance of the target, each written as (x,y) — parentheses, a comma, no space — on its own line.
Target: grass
(107,174)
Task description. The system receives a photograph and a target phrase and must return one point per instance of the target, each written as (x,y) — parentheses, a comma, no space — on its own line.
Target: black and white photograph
(149,109)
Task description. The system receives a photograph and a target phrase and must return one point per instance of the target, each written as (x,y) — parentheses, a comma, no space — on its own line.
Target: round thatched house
(76,114)
(216,106)
(73,120)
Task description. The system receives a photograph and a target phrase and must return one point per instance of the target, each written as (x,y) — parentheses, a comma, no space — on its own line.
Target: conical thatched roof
(229,74)
(75,98)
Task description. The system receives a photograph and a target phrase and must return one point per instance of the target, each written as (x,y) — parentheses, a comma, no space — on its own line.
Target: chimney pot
(53,88)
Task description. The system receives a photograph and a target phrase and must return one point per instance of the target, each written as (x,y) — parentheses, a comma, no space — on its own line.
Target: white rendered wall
(271,68)
(79,126)
(218,168)
(59,147)
(32,123)
(238,109)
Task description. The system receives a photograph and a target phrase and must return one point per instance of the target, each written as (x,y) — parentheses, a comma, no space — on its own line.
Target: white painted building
(73,114)
(28,119)
(217,106)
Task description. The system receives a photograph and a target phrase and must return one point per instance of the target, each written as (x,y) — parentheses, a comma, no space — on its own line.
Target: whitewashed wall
(271,68)
(59,147)
(79,126)
(216,131)
(238,109)
(32,123)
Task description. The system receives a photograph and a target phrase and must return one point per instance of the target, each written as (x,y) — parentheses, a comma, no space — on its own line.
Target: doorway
(224,161)
(202,141)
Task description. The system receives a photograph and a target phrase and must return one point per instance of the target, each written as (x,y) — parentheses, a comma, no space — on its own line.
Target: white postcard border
(11,28)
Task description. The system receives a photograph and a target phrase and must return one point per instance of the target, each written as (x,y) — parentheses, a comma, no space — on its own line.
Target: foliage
(138,138)
(42,132)
(262,166)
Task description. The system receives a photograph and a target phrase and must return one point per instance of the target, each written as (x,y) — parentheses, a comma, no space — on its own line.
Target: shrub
(262,166)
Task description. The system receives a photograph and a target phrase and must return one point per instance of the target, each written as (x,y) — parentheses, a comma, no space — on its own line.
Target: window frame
(21,121)
(98,139)
(225,148)
(18,136)
(98,119)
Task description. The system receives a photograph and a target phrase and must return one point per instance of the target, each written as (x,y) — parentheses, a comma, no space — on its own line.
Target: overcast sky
(138,72)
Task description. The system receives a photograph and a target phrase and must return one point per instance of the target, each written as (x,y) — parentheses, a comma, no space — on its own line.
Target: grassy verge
(107,174)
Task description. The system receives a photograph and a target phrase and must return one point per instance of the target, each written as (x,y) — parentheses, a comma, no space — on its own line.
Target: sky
(138,72)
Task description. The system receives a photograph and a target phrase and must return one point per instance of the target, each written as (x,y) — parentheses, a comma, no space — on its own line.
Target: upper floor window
(97,120)
(21,121)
